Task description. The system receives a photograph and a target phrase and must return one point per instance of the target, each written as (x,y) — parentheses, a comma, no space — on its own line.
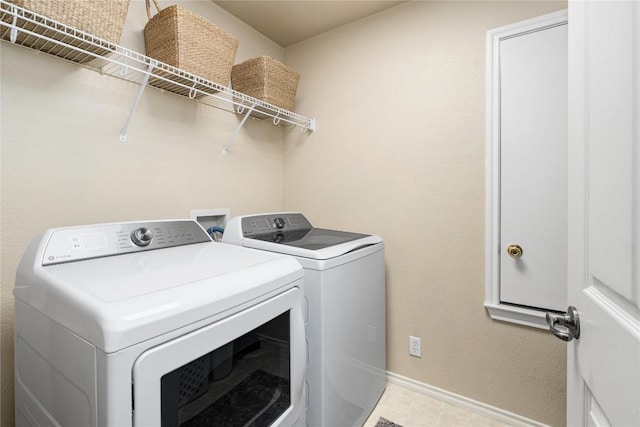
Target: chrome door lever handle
(565,326)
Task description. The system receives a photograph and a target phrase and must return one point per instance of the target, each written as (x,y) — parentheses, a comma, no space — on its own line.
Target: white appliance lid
(117,301)
(293,234)
(325,253)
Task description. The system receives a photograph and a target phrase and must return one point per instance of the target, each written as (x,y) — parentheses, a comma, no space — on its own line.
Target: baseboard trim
(462,402)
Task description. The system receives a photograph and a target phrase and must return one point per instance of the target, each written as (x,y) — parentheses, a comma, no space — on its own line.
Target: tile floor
(412,409)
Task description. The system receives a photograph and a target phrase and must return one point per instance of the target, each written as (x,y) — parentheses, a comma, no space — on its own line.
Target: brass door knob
(514,251)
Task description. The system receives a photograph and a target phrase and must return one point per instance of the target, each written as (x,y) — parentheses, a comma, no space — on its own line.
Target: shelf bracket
(13,33)
(143,85)
(235,132)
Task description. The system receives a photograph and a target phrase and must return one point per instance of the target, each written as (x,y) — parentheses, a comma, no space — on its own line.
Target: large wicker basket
(179,37)
(103,19)
(266,79)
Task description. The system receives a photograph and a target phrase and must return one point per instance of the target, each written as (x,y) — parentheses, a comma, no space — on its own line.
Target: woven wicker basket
(266,79)
(100,18)
(179,37)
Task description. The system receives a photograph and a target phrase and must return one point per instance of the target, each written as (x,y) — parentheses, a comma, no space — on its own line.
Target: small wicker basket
(266,79)
(99,18)
(182,39)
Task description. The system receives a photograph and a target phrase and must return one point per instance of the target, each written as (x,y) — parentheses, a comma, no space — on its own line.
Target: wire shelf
(26,28)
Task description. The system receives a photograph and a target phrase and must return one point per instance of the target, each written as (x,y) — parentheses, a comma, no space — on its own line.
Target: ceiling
(288,22)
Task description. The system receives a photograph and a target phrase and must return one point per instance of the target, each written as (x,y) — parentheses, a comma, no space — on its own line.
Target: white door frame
(497,310)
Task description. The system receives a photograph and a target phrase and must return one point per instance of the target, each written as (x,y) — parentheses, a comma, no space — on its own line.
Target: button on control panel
(141,236)
(279,223)
(94,241)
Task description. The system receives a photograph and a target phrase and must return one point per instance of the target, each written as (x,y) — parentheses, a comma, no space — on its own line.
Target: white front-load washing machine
(153,324)
(345,289)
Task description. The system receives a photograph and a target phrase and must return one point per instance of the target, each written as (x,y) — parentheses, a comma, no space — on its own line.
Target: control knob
(141,236)
(279,222)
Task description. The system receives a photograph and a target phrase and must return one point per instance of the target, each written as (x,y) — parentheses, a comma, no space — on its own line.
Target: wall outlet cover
(415,346)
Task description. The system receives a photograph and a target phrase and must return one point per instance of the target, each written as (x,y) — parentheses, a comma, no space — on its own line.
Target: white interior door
(533,167)
(603,378)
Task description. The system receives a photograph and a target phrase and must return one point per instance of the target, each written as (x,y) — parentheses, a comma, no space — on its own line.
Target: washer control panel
(95,241)
(265,224)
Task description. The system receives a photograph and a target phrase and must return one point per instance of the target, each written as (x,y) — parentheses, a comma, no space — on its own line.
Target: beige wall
(62,163)
(400,102)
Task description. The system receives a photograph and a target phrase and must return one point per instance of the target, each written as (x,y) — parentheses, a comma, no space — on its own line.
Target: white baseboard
(462,402)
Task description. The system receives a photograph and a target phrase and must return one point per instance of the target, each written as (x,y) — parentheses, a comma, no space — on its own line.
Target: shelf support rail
(225,149)
(143,85)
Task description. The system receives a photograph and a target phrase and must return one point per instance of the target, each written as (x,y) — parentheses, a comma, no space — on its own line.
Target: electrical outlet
(415,346)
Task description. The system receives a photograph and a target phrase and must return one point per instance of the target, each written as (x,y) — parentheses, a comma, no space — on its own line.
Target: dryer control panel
(101,240)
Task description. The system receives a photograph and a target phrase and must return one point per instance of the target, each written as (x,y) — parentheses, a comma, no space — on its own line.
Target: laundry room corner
(400,148)
(62,162)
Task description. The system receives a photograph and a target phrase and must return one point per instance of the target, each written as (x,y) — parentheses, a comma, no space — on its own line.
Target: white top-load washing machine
(153,324)
(345,289)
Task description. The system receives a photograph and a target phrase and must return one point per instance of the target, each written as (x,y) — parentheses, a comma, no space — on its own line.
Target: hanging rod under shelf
(24,27)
